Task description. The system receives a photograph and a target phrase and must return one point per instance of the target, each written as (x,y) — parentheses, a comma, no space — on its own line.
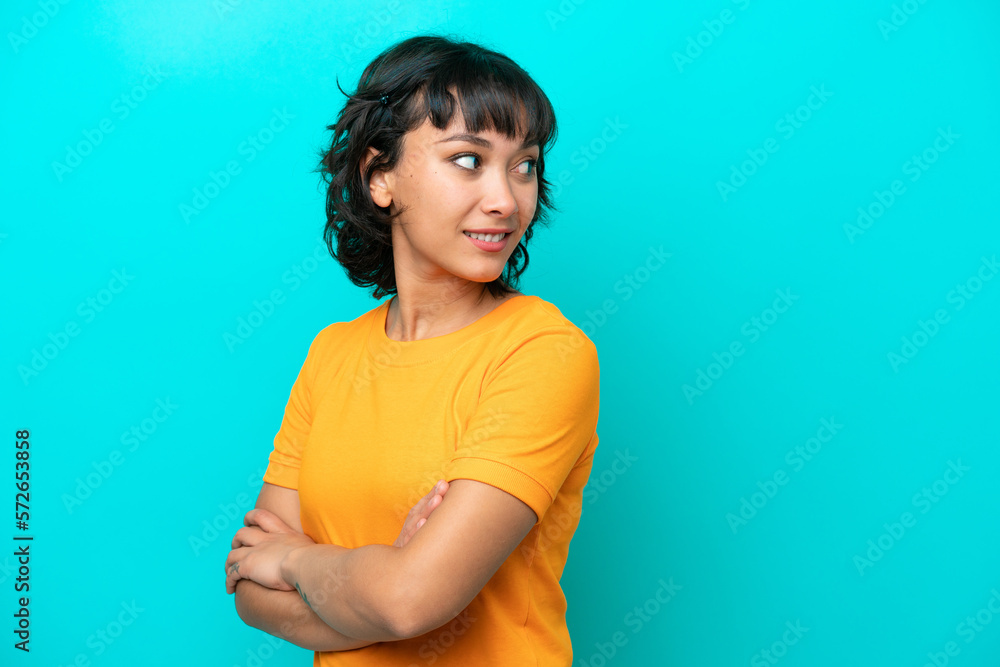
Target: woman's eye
(531,164)
(469,165)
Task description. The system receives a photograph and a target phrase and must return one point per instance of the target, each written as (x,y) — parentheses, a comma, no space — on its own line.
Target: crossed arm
(330,598)
(284,613)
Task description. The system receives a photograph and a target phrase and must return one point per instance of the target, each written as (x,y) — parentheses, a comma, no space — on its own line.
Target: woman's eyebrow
(480,141)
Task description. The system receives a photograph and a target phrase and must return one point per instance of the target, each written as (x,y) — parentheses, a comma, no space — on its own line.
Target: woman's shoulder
(534,310)
(336,333)
(534,317)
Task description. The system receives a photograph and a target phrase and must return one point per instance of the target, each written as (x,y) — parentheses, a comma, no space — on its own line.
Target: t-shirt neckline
(390,352)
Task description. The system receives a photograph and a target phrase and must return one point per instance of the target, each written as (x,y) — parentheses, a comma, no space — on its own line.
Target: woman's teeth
(492,238)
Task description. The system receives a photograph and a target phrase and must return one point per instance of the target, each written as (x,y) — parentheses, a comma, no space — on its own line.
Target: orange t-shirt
(510,400)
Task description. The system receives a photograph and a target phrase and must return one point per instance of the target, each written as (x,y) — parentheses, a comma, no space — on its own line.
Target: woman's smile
(489,242)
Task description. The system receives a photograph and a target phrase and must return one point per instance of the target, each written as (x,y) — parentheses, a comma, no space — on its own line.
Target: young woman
(436,176)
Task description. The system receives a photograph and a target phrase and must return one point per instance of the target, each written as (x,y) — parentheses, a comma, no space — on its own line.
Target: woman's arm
(395,594)
(283,613)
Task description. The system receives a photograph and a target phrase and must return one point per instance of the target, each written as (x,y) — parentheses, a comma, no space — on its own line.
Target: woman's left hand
(259,549)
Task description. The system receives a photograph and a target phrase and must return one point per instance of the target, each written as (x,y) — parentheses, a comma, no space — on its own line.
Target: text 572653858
(22,486)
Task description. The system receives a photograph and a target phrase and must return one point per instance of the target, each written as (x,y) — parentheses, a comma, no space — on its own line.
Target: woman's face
(451,185)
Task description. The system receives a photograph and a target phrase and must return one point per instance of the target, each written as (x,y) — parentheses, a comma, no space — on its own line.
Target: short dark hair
(415,75)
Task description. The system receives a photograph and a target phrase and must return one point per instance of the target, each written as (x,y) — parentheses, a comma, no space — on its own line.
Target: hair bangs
(491,98)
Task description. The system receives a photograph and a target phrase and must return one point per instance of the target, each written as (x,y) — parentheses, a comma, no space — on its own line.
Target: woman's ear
(377,185)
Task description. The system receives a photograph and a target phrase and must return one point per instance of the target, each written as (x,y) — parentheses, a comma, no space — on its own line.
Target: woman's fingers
(246,537)
(428,496)
(417,516)
(267,521)
(428,503)
(233,568)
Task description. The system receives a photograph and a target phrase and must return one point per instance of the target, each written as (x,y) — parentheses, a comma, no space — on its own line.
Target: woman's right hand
(419,513)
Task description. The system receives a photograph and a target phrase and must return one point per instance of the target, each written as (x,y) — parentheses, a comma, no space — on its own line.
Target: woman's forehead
(456,131)
(457,126)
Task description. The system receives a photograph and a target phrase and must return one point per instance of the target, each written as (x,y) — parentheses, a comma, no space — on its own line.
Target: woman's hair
(415,75)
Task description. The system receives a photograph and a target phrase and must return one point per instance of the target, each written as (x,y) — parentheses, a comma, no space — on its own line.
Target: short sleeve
(285,458)
(536,418)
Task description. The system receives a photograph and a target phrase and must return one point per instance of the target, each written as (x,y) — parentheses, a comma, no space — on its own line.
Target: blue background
(658,105)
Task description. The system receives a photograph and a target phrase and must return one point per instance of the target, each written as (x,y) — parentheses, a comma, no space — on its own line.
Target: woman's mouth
(488,242)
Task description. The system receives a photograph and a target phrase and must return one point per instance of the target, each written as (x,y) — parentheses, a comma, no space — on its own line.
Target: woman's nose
(499,196)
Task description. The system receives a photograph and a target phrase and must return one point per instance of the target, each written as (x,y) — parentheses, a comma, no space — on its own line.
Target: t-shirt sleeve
(536,418)
(285,458)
